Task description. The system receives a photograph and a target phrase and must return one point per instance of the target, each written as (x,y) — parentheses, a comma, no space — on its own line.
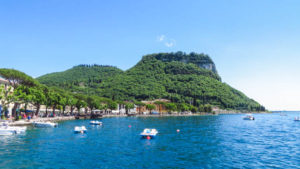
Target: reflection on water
(224,141)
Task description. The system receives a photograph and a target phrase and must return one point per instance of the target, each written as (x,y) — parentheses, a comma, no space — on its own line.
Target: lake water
(224,141)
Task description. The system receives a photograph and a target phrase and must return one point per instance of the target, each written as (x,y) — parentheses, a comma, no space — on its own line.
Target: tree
(193,109)
(128,106)
(79,104)
(139,105)
(63,102)
(6,96)
(150,107)
(23,94)
(92,102)
(183,107)
(160,105)
(72,103)
(207,108)
(55,99)
(171,107)
(39,98)
(112,105)
(16,78)
(48,94)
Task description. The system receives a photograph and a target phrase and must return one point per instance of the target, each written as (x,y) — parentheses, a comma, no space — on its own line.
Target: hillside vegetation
(182,78)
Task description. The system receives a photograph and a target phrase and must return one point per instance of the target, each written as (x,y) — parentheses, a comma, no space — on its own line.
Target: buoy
(178,130)
(129,126)
(148,137)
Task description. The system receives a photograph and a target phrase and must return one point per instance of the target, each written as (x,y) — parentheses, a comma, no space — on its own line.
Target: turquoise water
(224,141)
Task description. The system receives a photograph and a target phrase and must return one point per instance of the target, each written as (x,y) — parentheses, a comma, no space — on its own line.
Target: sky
(254,43)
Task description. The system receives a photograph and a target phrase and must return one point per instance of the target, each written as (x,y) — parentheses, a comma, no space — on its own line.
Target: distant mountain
(182,78)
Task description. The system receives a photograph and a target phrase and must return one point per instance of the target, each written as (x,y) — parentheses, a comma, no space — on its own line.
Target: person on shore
(24,116)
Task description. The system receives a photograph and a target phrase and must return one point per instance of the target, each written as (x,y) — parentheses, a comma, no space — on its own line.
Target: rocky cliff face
(201,60)
(209,66)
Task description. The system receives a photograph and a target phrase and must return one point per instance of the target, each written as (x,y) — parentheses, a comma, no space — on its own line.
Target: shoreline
(66,118)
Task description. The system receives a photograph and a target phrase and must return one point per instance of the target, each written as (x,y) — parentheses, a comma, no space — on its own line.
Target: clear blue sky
(254,43)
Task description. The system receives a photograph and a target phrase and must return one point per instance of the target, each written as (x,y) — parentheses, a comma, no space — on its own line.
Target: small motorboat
(12,130)
(249,117)
(17,129)
(95,123)
(149,133)
(297,119)
(44,124)
(80,129)
(7,132)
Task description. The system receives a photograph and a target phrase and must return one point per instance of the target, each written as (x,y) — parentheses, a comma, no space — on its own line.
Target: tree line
(24,90)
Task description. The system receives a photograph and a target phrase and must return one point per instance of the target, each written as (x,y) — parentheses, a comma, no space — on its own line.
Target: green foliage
(80,78)
(171,107)
(112,105)
(16,78)
(150,107)
(6,95)
(189,79)
(183,107)
(205,108)
(129,106)
(24,94)
(38,95)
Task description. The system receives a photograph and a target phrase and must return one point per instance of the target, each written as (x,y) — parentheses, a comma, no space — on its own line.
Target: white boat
(17,129)
(80,129)
(9,130)
(297,119)
(149,133)
(95,123)
(44,124)
(249,117)
(6,132)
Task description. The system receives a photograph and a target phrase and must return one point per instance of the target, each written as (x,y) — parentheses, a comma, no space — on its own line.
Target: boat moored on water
(7,132)
(44,124)
(5,129)
(95,123)
(249,117)
(17,129)
(80,129)
(149,133)
(297,119)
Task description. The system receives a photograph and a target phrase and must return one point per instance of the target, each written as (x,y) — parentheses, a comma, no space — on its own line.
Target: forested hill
(182,78)
(80,75)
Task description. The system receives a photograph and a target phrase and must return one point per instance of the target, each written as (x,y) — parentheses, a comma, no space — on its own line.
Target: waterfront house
(160,108)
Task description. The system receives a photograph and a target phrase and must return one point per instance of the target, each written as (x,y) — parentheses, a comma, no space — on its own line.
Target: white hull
(44,124)
(81,129)
(17,129)
(95,123)
(149,133)
(246,118)
(249,117)
(7,132)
